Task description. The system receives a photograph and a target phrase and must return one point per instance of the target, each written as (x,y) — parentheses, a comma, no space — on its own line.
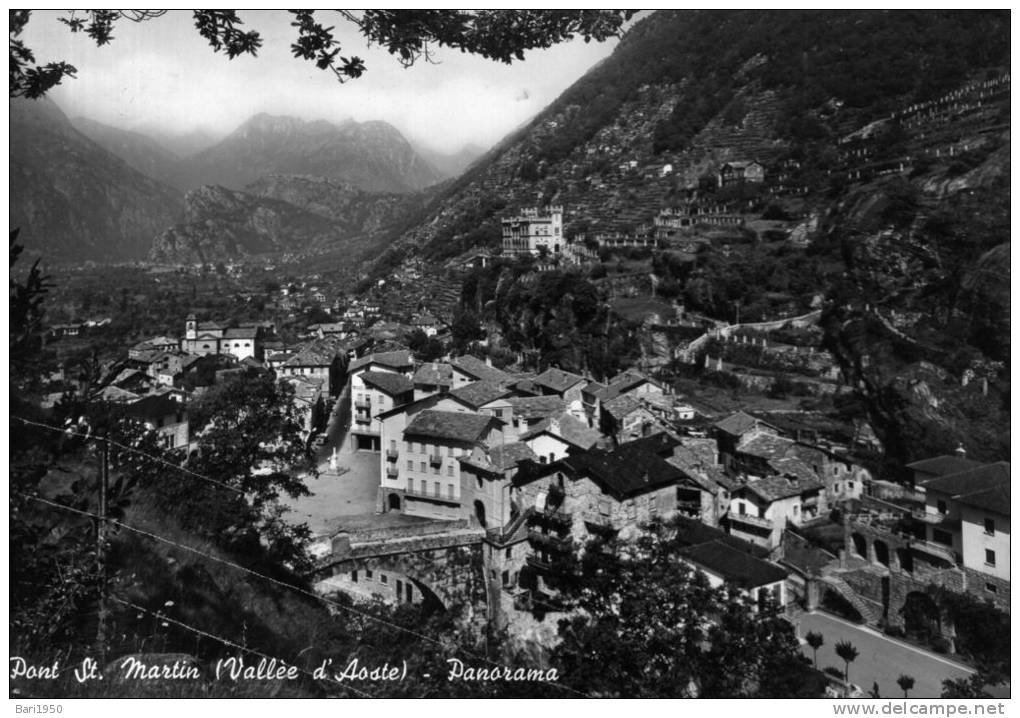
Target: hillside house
(530,231)
(739,172)
(168,418)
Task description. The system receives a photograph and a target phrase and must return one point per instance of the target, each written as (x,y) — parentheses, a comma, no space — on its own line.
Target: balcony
(363,403)
(689,506)
(940,551)
(550,542)
(362,419)
(431,496)
(435,460)
(392,454)
(558,520)
(391,472)
(598,524)
(749,520)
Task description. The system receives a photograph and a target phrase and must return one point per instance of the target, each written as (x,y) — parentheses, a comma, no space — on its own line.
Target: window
(942,537)
(417,447)
(552,458)
(384,578)
(991,588)
(435,488)
(506,578)
(742,509)
(435,470)
(509,552)
(989,557)
(449,451)
(478,481)
(835,487)
(849,485)
(400,588)
(941,506)
(449,470)
(498,413)
(407,446)
(449,490)
(423,469)
(354,576)
(990,527)
(410,465)
(368,573)
(541,459)
(393,444)
(795,510)
(424,485)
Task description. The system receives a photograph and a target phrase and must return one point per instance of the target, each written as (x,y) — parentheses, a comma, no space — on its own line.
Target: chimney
(960,451)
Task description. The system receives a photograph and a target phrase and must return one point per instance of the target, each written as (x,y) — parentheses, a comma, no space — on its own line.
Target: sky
(161,73)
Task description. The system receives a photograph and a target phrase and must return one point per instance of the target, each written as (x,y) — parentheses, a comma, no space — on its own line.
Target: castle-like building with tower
(529,231)
(203,338)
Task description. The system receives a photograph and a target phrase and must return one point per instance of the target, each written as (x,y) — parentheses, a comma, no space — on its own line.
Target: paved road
(881,659)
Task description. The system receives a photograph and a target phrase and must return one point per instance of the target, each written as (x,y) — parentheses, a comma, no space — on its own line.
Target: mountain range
(132,194)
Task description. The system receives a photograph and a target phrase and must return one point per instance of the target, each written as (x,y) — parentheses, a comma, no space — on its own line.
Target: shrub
(834,672)
(941,645)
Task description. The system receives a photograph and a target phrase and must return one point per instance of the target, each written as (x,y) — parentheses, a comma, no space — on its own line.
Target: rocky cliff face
(372,156)
(74,200)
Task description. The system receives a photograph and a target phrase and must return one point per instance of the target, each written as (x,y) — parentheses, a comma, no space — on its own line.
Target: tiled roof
(569,429)
(691,532)
(662,443)
(733,565)
(154,407)
(241,333)
(737,424)
(506,456)
(766,446)
(475,367)
(625,471)
(400,359)
(942,465)
(307,389)
(451,425)
(387,381)
(558,380)
(986,487)
(315,353)
(774,488)
(435,374)
(536,407)
(479,393)
(622,406)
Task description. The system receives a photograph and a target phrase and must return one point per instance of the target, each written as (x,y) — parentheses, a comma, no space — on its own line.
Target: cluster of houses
(545,461)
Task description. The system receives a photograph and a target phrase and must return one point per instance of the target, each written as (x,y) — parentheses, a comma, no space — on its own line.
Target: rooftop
(536,407)
(478,369)
(479,393)
(315,353)
(733,565)
(625,471)
(401,359)
(774,488)
(557,380)
(985,487)
(388,382)
(450,425)
(942,465)
(568,428)
(737,424)
(434,373)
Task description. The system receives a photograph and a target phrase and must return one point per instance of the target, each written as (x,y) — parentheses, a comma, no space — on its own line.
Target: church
(213,338)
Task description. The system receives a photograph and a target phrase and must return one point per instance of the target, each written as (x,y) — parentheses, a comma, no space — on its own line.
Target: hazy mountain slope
(140,151)
(451,164)
(74,200)
(373,156)
(282,213)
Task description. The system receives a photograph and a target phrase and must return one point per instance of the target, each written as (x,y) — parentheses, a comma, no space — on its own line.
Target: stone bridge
(438,564)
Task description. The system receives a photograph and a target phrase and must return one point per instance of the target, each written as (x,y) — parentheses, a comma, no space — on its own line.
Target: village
(420,459)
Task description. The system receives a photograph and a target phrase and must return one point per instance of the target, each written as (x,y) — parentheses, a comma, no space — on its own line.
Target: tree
(410,35)
(905,683)
(656,628)
(816,641)
(846,651)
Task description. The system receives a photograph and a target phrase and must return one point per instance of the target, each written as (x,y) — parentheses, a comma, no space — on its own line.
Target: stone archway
(905,559)
(393,502)
(882,552)
(921,616)
(860,545)
(480,513)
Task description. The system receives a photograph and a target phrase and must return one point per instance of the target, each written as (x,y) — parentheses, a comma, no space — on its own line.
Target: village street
(882,660)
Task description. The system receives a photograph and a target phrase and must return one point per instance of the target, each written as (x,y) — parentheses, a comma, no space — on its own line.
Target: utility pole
(104,481)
